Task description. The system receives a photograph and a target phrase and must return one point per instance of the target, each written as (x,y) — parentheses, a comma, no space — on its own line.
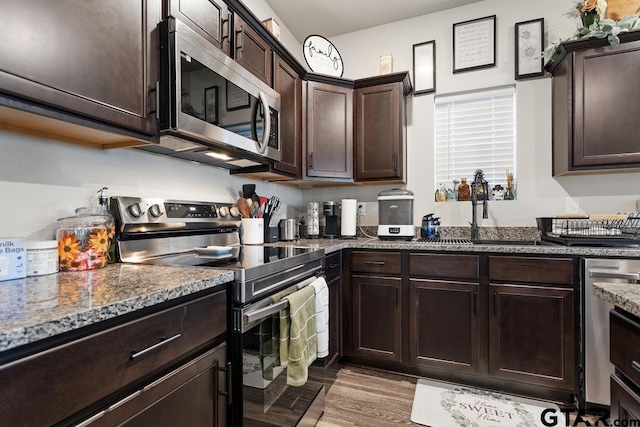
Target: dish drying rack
(605,230)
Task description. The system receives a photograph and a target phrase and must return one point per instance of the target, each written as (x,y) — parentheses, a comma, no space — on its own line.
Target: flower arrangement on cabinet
(593,23)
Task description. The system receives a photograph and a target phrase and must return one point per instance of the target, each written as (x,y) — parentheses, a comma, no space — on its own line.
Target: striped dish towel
(298,335)
(322,315)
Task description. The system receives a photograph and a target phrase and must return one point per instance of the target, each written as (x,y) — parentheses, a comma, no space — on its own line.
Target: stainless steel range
(205,234)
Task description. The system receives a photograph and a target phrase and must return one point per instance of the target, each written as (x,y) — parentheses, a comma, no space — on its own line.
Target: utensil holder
(252,231)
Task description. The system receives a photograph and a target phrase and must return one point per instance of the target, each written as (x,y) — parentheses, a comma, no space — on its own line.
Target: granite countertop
(40,307)
(332,245)
(623,295)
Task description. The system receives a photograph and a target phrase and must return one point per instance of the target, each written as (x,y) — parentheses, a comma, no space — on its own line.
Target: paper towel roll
(349,217)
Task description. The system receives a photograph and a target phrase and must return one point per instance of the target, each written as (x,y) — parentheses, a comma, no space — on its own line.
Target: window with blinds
(475,131)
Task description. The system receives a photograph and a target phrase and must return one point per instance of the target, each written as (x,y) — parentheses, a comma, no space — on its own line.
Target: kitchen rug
(438,404)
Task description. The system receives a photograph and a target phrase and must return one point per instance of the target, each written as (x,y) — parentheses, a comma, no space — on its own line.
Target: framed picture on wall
(236,97)
(424,67)
(211,104)
(529,45)
(474,44)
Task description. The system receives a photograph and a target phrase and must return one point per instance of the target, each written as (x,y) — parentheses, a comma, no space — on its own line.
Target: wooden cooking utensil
(244,207)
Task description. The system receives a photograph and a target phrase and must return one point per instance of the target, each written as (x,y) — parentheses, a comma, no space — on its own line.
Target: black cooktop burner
(239,257)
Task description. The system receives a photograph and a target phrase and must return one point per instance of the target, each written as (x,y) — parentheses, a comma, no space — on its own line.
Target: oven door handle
(261,313)
(265,312)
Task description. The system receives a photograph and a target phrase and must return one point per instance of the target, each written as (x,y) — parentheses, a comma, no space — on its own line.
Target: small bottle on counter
(464,192)
(42,257)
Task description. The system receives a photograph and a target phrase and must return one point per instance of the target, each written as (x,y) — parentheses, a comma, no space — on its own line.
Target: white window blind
(475,131)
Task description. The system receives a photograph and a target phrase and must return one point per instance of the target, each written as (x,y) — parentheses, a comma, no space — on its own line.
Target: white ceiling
(334,17)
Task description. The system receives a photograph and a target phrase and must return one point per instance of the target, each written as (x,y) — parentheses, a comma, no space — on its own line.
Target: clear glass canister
(83,241)
(42,257)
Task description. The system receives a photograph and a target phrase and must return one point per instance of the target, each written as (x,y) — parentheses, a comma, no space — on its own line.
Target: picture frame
(529,45)
(424,67)
(474,44)
(211,105)
(237,98)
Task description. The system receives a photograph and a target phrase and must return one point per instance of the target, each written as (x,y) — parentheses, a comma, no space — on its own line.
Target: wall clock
(322,56)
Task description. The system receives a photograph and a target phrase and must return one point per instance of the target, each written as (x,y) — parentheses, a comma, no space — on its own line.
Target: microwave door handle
(266,129)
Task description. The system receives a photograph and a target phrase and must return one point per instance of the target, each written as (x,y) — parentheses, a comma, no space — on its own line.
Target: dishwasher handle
(609,274)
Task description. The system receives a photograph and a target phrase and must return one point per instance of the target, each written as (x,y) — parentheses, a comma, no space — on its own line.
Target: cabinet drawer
(625,402)
(79,373)
(332,266)
(444,266)
(554,271)
(376,262)
(624,349)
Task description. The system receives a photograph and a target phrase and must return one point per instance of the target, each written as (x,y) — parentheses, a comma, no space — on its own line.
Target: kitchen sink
(510,242)
(493,242)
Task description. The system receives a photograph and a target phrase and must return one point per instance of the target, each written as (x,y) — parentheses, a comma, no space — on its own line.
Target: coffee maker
(331,212)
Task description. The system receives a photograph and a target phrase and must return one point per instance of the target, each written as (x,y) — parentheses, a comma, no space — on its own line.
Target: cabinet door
(532,336)
(625,403)
(606,130)
(94,58)
(289,85)
(195,395)
(210,18)
(252,51)
(329,131)
(377,317)
(379,113)
(439,311)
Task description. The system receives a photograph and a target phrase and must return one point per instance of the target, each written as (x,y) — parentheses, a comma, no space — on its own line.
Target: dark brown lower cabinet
(443,325)
(624,352)
(506,322)
(192,395)
(531,335)
(625,402)
(377,326)
(149,366)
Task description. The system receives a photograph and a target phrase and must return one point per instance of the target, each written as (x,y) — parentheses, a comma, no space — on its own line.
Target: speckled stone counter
(40,307)
(625,296)
(332,245)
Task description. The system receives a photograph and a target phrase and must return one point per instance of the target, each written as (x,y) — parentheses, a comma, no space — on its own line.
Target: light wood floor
(371,398)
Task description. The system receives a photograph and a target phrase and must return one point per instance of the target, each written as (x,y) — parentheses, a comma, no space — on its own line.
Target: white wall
(539,194)
(42,180)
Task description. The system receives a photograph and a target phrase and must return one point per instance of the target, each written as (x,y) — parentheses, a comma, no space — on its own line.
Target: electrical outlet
(362,211)
(572,206)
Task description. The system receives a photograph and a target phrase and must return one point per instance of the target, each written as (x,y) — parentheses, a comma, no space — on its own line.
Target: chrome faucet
(478,182)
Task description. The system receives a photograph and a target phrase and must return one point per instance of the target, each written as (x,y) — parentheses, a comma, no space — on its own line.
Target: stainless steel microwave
(211,105)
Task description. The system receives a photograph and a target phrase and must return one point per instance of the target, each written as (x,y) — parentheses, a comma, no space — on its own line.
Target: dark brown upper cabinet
(595,128)
(288,84)
(328,130)
(92,64)
(252,51)
(380,128)
(209,18)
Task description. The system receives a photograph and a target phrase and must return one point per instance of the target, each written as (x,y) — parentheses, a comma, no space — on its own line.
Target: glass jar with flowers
(590,11)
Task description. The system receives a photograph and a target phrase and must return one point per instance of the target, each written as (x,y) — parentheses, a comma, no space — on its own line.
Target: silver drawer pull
(614,275)
(635,365)
(375,263)
(162,343)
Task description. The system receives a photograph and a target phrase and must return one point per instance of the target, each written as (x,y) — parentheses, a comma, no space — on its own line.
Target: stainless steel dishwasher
(595,321)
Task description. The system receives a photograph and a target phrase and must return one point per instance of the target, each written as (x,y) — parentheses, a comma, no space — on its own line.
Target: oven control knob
(136,210)
(155,210)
